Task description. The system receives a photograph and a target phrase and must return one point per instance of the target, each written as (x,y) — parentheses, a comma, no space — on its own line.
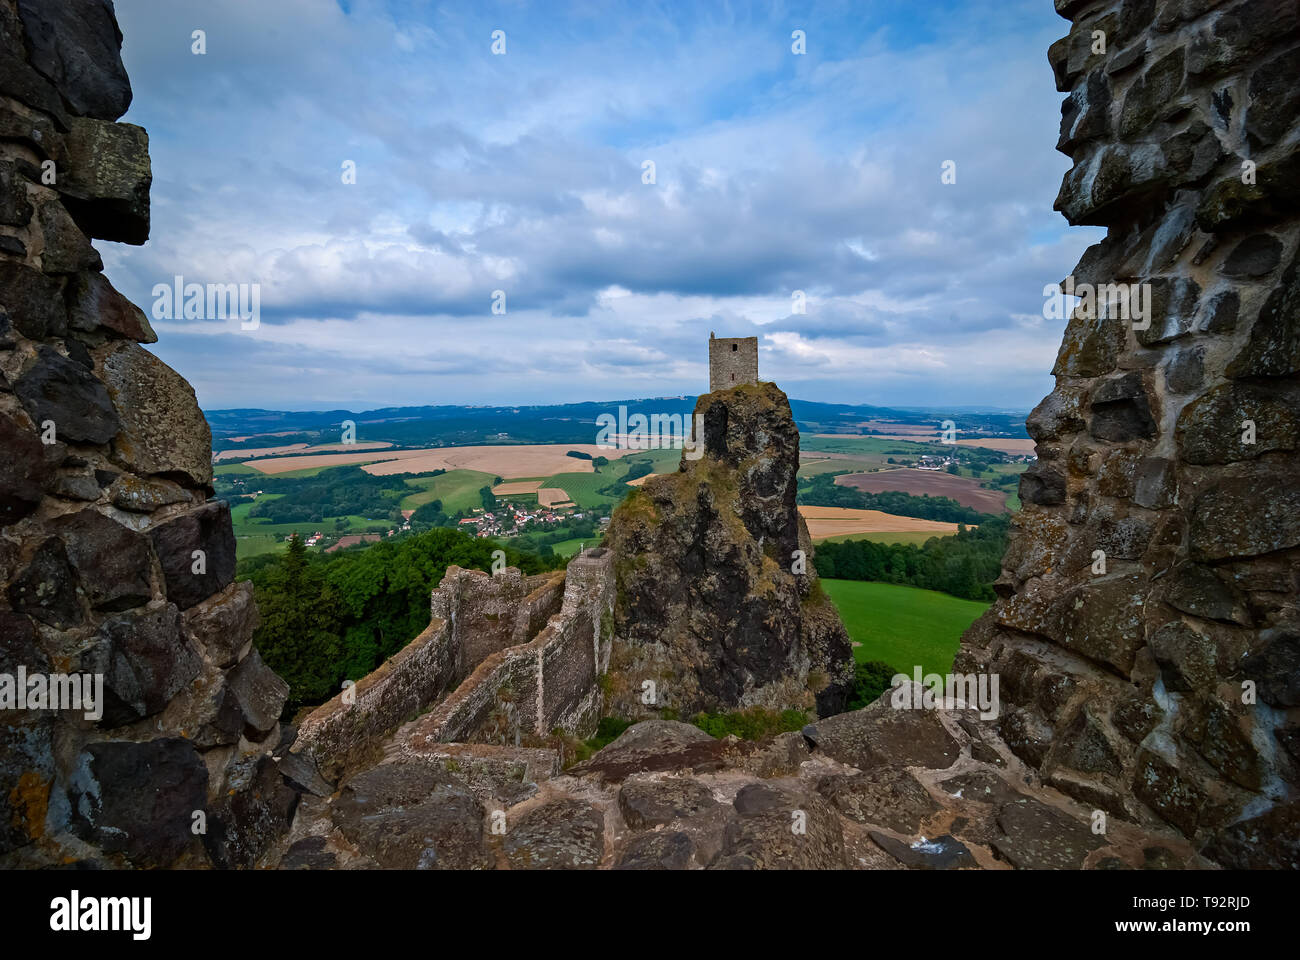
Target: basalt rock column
(1147,634)
(718,603)
(113,561)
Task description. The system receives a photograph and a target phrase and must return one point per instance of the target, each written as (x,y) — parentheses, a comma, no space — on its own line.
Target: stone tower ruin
(732,361)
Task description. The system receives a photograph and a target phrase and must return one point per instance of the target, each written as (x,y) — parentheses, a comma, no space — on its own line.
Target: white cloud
(523,173)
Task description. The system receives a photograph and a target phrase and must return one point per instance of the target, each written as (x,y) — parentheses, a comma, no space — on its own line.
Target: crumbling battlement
(474,615)
(551,682)
(489,613)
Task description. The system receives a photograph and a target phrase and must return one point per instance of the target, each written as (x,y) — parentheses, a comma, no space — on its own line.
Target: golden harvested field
(516,486)
(296,448)
(551,496)
(505,461)
(246,452)
(936,483)
(836,521)
(640,480)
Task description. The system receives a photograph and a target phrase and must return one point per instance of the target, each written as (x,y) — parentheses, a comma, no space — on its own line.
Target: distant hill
(556,423)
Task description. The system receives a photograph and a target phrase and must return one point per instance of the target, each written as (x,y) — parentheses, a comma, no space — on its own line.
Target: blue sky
(523,172)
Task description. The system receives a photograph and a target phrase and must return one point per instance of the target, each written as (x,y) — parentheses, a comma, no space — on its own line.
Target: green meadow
(847,465)
(457,489)
(867,446)
(902,626)
(246,526)
(584,489)
(567,548)
(243,469)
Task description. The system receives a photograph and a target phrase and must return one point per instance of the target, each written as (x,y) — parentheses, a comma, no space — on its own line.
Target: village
(505,521)
(512,520)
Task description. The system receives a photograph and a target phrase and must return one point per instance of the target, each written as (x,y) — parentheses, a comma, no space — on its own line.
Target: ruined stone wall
(474,616)
(346,730)
(732,361)
(488,613)
(550,682)
(1147,634)
(113,561)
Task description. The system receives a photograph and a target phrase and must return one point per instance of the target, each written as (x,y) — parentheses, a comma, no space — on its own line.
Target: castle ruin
(506,658)
(1147,631)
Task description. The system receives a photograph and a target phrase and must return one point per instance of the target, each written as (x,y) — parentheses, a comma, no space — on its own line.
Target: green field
(848,465)
(567,548)
(665,461)
(584,488)
(902,626)
(1013,493)
(254,536)
(228,469)
(253,526)
(252,545)
(867,446)
(457,489)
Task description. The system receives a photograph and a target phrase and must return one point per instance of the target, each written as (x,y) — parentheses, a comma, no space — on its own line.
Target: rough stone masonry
(113,560)
(1147,631)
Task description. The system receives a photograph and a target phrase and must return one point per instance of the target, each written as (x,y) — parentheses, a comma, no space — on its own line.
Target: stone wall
(490,613)
(1147,633)
(113,561)
(732,361)
(550,682)
(474,615)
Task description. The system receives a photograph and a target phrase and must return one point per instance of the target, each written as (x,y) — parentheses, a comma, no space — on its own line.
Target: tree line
(336,492)
(964,565)
(821,491)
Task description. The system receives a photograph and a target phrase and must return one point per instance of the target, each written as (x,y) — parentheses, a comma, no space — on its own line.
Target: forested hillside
(326,618)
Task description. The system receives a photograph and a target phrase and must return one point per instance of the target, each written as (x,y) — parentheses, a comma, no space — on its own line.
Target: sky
(795,197)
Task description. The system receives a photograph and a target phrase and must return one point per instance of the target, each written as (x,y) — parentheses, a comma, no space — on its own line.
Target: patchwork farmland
(934,483)
(585,480)
(508,461)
